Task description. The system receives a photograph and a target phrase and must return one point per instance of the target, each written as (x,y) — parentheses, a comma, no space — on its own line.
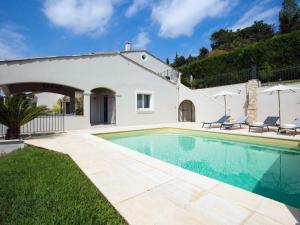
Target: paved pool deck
(147,191)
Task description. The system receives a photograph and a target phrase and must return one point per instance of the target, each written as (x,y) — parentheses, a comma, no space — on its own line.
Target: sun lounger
(239,122)
(269,121)
(292,126)
(219,122)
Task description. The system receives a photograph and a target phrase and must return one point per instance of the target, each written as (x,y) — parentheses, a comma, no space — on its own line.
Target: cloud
(80,16)
(136,6)
(257,13)
(178,17)
(142,40)
(12,42)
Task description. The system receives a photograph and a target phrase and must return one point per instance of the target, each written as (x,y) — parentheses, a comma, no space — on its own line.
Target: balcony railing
(171,75)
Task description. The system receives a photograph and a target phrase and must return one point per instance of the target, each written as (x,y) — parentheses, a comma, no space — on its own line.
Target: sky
(33,28)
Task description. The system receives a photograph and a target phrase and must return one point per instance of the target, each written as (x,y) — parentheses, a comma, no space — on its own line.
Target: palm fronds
(17,110)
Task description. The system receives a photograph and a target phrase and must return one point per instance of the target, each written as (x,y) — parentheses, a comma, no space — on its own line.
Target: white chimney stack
(127,46)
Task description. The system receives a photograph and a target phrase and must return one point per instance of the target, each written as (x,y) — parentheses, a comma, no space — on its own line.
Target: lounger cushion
(258,123)
(288,126)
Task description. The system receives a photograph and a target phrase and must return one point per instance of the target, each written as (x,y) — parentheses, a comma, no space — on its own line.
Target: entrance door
(105,109)
(186,112)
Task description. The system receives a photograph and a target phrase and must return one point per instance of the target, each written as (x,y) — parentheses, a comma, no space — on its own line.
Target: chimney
(127,46)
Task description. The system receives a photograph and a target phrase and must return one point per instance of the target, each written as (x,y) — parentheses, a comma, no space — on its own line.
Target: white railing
(171,75)
(49,123)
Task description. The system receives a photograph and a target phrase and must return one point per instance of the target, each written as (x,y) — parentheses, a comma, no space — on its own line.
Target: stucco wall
(76,122)
(150,62)
(109,71)
(210,108)
(268,104)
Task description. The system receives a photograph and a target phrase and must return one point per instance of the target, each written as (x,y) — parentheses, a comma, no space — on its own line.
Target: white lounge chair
(269,121)
(292,126)
(222,120)
(240,121)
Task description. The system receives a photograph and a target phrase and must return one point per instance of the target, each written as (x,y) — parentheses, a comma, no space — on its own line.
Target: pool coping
(198,199)
(291,142)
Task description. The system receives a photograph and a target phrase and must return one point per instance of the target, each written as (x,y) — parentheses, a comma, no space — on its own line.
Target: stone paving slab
(147,191)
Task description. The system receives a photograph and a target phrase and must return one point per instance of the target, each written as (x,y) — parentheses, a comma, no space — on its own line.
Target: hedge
(280,51)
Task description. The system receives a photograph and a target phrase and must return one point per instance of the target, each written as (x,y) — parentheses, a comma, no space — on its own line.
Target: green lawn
(42,187)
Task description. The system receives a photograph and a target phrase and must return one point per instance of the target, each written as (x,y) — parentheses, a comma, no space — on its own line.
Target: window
(143,101)
(144,57)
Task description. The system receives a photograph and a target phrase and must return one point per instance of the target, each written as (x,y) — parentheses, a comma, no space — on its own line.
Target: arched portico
(186,111)
(103,106)
(71,98)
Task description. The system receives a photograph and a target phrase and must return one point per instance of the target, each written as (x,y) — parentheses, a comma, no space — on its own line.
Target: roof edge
(60,57)
(145,68)
(122,52)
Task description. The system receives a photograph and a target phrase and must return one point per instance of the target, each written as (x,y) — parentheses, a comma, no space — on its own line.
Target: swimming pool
(267,167)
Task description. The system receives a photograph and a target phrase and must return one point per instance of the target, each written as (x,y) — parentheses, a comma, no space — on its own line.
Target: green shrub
(282,50)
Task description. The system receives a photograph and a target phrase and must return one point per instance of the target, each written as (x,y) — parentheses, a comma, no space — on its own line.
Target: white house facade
(122,88)
(131,88)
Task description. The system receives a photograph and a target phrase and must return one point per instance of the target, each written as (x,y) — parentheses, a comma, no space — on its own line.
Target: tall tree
(168,61)
(190,59)
(289,16)
(223,39)
(259,31)
(178,61)
(203,52)
(228,40)
(176,57)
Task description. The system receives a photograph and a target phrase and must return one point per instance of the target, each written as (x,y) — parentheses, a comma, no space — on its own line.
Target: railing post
(253,72)
(63,122)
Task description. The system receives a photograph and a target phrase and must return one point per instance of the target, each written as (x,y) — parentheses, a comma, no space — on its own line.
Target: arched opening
(186,111)
(103,106)
(58,98)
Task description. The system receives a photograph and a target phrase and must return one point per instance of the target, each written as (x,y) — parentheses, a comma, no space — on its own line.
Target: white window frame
(145,110)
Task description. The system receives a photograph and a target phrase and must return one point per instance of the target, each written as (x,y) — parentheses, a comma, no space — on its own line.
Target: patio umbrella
(224,94)
(277,89)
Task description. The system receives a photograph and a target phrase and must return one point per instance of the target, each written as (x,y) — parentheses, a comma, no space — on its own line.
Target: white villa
(175,176)
(123,88)
(129,88)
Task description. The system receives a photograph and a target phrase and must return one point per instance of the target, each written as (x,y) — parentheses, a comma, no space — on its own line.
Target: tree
(190,59)
(259,31)
(17,110)
(181,61)
(228,40)
(203,52)
(57,107)
(223,38)
(289,16)
(178,61)
(176,57)
(168,61)
(79,105)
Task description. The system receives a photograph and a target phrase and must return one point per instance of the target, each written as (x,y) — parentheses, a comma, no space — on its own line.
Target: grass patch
(38,186)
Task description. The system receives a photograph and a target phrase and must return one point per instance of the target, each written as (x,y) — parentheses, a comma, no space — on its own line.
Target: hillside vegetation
(235,53)
(277,52)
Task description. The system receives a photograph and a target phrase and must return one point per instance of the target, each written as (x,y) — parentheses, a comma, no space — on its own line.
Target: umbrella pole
(279,112)
(225,104)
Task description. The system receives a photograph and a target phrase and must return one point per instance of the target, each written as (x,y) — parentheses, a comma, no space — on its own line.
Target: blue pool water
(273,172)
